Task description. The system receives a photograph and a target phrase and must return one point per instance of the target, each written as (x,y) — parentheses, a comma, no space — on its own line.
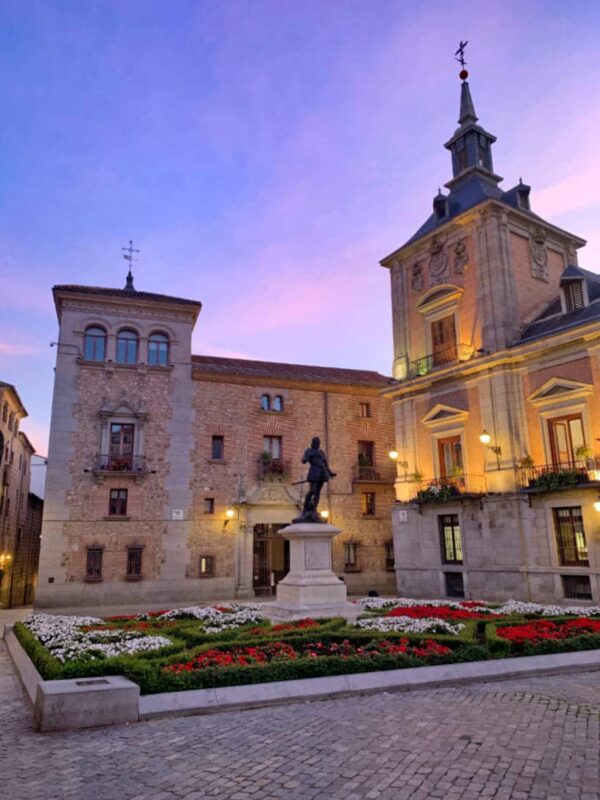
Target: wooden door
(443,339)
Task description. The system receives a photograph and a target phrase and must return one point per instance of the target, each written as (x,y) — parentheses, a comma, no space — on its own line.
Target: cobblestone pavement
(522,738)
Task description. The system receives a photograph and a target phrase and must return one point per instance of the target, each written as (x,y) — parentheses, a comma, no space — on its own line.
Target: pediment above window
(441,296)
(442,414)
(122,409)
(559,389)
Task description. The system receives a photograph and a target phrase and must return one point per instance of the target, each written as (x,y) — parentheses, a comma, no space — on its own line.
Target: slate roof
(125,293)
(232,367)
(552,320)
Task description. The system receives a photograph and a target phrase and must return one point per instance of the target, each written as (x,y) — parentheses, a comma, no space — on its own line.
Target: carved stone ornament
(461,258)
(416,278)
(438,260)
(539,257)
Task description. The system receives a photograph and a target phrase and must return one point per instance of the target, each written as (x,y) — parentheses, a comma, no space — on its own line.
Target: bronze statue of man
(318,474)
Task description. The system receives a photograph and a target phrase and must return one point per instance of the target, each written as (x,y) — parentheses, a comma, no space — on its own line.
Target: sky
(264,156)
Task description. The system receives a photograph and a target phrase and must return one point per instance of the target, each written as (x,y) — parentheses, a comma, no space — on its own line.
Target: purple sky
(265,155)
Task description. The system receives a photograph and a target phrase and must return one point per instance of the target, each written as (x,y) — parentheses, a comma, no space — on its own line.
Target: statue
(318,474)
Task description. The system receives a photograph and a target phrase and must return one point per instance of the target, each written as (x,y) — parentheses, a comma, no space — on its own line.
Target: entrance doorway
(271,558)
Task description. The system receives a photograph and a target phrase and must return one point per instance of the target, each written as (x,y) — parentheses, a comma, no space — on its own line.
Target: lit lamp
(324,514)
(393,454)
(484,437)
(230,513)
(597,504)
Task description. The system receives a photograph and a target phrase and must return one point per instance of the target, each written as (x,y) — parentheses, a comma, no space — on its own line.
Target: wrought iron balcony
(362,473)
(127,464)
(272,468)
(443,490)
(550,477)
(442,358)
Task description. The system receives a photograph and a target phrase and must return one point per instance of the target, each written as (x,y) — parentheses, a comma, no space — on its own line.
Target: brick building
(496,394)
(169,475)
(20,510)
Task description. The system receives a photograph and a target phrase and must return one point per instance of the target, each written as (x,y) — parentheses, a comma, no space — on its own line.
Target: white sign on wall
(402,515)
(177,513)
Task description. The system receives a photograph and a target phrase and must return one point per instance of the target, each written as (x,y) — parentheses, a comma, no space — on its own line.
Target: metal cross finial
(128,253)
(460,54)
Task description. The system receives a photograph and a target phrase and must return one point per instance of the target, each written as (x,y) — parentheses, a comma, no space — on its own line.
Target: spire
(128,256)
(467,109)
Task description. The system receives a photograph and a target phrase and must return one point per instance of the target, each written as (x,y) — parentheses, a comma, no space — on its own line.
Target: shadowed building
(496,396)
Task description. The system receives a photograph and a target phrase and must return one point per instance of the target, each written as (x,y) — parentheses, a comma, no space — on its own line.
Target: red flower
(544,629)
(437,612)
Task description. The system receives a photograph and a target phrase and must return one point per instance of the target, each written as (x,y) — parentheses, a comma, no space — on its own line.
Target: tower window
(118,503)
(218,448)
(134,562)
(574,295)
(127,347)
(94,344)
(278,403)
(158,349)
(265,402)
(368,504)
(93,570)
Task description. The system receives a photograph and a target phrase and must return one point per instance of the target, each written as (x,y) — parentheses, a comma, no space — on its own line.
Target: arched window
(158,349)
(265,402)
(94,344)
(278,403)
(127,347)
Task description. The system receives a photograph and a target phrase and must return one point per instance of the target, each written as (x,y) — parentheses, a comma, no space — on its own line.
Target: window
(4,412)
(272,446)
(443,341)
(94,344)
(366,454)
(570,537)
(574,295)
(134,562)
(11,419)
(158,349)
(454,584)
(566,438)
(217,448)
(117,506)
(450,539)
(121,446)
(207,567)
(450,455)
(364,409)
(461,155)
(351,557)
(127,347)
(278,403)
(93,570)
(265,402)
(390,562)
(368,504)
(209,505)
(577,587)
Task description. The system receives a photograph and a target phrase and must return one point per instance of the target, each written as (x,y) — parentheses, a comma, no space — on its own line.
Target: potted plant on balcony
(526,464)
(584,453)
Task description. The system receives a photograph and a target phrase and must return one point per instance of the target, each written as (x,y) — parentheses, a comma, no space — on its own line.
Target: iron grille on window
(390,563)
(454,584)
(351,557)
(207,566)
(134,562)
(93,570)
(577,587)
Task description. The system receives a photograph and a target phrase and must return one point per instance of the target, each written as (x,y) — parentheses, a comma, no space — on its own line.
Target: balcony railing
(272,468)
(550,477)
(442,490)
(439,360)
(127,464)
(370,474)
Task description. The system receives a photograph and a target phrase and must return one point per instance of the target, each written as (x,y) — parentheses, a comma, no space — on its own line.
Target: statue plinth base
(310,589)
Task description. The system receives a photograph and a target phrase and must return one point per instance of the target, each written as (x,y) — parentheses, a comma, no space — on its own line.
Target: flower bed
(232,644)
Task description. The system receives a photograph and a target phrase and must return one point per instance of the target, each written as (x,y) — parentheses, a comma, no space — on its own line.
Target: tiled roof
(294,372)
(13,389)
(125,293)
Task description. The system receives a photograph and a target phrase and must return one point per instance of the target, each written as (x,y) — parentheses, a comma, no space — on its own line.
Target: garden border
(206,701)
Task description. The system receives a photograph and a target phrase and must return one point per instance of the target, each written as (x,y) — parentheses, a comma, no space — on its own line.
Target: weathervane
(128,256)
(460,57)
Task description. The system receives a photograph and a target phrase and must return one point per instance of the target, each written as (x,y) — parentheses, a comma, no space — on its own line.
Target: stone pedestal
(310,589)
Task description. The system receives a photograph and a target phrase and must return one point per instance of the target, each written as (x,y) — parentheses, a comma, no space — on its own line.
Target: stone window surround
(444,433)
(590,523)
(117,416)
(444,306)
(113,330)
(561,408)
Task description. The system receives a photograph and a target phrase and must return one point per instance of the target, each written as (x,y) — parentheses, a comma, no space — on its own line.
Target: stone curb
(209,701)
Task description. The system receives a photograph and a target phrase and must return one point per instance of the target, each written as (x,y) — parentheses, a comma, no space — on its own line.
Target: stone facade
(496,400)
(141,508)
(20,521)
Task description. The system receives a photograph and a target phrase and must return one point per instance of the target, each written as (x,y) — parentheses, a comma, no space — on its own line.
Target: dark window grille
(207,567)
(574,295)
(351,557)
(93,571)
(577,587)
(390,562)
(209,505)
(454,584)
(451,543)
(117,506)
(134,562)
(570,537)
(368,504)
(218,448)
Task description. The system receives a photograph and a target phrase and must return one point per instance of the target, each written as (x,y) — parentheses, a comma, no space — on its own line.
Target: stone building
(170,474)
(496,393)
(20,515)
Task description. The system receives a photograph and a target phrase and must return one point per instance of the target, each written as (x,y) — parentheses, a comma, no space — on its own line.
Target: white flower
(410,625)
